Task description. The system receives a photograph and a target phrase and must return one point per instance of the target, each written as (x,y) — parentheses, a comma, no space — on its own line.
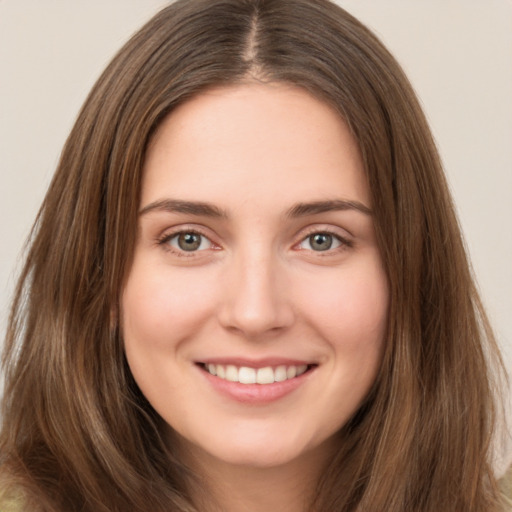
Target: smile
(248,375)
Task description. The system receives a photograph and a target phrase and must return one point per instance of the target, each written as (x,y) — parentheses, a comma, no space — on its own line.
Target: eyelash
(166,238)
(344,242)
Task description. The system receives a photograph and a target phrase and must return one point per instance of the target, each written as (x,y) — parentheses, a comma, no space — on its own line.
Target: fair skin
(255,310)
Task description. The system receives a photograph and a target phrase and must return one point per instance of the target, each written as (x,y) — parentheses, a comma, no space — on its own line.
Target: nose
(256,299)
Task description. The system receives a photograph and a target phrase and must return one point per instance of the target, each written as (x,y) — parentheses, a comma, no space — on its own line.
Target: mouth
(263,376)
(256,382)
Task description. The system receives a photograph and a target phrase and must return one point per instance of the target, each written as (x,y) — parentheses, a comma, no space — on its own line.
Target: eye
(188,241)
(320,242)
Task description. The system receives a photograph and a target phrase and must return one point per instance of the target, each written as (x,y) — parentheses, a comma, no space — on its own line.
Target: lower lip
(256,393)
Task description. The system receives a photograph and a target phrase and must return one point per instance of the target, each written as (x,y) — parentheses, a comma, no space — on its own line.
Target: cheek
(350,313)
(156,318)
(345,311)
(350,309)
(157,304)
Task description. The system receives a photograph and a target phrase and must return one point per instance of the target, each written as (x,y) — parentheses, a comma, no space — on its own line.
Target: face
(255,309)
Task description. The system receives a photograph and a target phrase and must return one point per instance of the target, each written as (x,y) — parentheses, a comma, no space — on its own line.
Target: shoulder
(506,489)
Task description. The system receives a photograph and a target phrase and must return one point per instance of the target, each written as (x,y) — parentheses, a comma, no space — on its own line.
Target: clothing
(8,504)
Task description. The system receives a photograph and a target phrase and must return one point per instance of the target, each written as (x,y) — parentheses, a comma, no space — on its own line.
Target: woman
(246,287)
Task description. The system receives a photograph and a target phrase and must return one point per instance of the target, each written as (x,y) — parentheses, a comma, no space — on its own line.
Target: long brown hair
(77,433)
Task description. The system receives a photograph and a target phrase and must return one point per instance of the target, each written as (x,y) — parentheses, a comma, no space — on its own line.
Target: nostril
(255,300)
(250,318)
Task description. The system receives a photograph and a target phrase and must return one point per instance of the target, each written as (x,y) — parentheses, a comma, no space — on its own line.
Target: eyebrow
(316,207)
(203,209)
(198,208)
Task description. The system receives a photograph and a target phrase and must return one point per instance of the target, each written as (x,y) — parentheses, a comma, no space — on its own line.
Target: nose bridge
(255,300)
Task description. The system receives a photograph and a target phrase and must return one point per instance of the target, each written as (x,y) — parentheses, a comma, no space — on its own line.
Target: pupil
(189,241)
(321,242)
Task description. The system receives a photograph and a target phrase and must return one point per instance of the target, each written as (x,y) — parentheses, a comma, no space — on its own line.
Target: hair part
(77,432)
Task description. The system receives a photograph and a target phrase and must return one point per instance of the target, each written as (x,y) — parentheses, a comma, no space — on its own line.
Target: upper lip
(256,363)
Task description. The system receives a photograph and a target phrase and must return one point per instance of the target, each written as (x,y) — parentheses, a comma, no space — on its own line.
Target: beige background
(457,53)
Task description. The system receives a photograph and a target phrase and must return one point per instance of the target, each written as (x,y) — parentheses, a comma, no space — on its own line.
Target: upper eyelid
(164,240)
(346,241)
(337,231)
(189,228)
(168,234)
(341,233)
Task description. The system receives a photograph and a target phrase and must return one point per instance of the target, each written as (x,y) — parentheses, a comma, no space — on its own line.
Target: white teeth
(247,375)
(301,369)
(280,374)
(265,375)
(231,373)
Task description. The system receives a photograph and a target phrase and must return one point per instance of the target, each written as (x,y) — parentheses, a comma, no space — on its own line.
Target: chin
(258,457)
(258,449)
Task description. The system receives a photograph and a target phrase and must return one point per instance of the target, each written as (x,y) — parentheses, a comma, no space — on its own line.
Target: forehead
(257,141)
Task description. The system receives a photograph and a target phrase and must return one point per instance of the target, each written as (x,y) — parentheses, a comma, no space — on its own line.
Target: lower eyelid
(343,241)
(165,240)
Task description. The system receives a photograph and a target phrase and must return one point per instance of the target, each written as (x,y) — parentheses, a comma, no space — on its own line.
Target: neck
(224,487)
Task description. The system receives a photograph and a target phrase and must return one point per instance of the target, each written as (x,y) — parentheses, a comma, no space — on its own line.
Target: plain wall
(457,53)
